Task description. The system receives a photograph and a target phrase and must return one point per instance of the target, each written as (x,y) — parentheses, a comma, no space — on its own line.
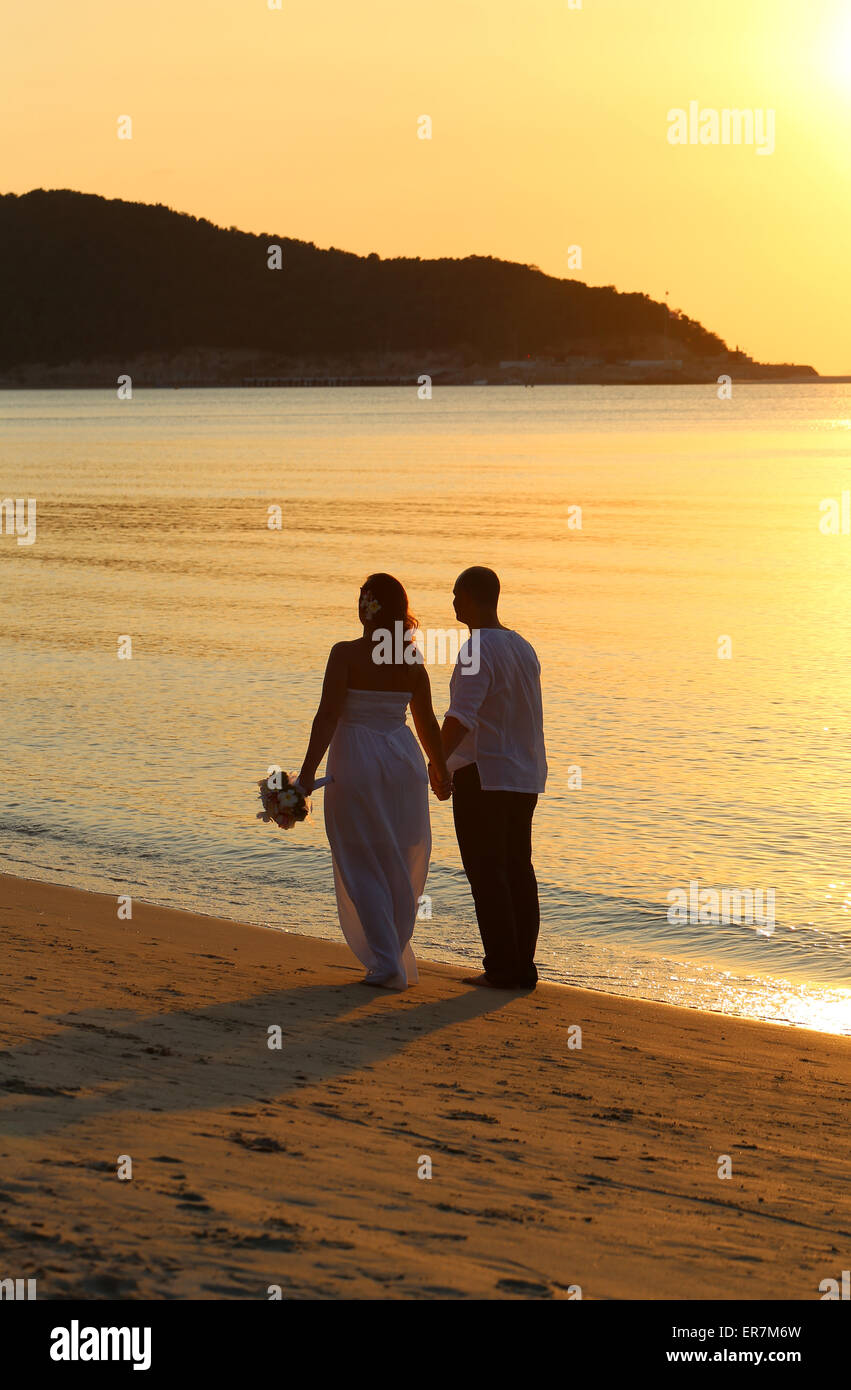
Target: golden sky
(550,129)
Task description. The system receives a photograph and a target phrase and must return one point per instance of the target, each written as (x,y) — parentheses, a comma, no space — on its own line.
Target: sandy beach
(552,1166)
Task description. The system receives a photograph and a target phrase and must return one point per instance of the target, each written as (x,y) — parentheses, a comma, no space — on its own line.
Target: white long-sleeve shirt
(498,700)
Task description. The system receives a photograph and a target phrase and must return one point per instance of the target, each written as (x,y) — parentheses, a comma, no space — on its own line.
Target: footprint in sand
(18,1086)
(525,1288)
(191,1201)
(259,1143)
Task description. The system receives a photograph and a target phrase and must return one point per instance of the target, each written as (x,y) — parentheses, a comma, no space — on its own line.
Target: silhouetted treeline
(82,276)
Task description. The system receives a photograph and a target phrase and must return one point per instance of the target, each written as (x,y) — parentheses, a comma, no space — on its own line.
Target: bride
(376,806)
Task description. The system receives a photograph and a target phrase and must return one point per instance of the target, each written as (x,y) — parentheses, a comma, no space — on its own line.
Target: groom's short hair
(481,584)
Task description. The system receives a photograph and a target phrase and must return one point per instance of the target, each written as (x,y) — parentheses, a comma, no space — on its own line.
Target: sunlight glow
(839,52)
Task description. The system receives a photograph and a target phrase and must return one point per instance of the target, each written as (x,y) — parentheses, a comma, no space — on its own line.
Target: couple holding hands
(489,756)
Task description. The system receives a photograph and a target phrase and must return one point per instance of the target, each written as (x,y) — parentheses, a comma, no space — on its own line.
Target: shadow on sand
(103,1061)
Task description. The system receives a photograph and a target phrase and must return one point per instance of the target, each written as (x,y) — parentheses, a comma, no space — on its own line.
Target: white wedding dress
(377,819)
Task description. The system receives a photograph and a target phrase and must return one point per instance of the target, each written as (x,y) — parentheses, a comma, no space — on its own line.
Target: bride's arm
(325,719)
(428,732)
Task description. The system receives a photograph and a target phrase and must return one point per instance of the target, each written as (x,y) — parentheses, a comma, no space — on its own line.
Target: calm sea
(669,764)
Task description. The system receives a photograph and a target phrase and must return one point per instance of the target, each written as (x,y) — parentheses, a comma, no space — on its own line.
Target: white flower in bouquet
(286,805)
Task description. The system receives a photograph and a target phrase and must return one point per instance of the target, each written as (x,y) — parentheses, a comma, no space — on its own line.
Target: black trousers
(494,832)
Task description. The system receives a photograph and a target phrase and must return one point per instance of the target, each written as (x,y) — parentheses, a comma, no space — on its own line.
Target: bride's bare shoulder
(347,648)
(345,654)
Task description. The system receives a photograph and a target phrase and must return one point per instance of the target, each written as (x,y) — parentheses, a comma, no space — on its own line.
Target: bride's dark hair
(392,601)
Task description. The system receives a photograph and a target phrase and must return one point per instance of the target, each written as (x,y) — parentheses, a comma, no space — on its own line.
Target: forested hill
(83,277)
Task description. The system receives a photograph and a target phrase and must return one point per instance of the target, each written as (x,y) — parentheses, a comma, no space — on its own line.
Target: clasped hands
(441,786)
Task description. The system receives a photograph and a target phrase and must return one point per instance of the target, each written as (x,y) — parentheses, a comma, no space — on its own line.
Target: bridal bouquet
(283,800)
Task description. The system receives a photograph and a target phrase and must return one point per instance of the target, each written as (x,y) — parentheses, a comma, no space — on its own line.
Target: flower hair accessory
(369,606)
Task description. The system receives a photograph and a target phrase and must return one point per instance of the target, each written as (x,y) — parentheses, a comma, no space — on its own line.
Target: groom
(493,739)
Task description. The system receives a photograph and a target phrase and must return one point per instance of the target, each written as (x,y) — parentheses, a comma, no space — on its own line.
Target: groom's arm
(467,691)
(451,734)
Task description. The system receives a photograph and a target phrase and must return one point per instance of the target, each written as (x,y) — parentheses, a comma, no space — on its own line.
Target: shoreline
(298,1166)
(463,966)
(406,383)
